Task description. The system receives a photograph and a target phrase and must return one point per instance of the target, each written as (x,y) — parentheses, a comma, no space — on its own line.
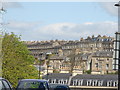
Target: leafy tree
(17,62)
(1,36)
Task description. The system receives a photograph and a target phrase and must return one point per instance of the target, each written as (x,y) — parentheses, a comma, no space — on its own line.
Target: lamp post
(2,32)
(116,62)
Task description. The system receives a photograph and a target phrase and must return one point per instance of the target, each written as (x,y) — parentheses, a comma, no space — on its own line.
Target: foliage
(56,71)
(0,55)
(39,62)
(88,71)
(17,62)
(116,72)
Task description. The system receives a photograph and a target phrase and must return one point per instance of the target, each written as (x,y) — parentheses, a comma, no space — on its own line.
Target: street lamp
(116,62)
(2,32)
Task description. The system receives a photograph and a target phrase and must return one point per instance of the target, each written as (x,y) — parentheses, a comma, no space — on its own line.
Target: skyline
(60,20)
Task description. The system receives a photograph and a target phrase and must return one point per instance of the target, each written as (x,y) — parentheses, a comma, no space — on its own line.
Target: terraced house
(93,54)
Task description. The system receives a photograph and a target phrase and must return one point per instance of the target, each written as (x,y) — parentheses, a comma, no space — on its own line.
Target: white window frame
(89,82)
(80,82)
(109,83)
(100,83)
(75,81)
(115,83)
(94,82)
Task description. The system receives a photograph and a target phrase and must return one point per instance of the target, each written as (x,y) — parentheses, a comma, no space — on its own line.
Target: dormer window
(75,82)
(89,82)
(115,83)
(53,81)
(109,83)
(80,82)
(94,83)
(100,83)
(62,81)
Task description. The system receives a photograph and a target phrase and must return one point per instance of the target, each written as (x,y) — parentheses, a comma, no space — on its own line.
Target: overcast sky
(60,20)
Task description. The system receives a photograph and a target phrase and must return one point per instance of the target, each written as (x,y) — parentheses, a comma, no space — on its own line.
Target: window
(109,83)
(75,82)
(94,83)
(115,83)
(45,85)
(53,81)
(100,83)
(96,65)
(107,66)
(6,85)
(31,84)
(61,81)
(89,82)
(1,86)
(65,81)
(80,82)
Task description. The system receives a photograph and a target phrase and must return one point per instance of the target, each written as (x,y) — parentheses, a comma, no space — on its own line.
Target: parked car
(5,84)
(32,84)
(58,87)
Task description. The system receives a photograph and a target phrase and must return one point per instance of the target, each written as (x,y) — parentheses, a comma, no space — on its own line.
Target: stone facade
(92,54)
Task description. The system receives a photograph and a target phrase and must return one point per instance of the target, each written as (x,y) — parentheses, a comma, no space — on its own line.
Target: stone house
(92,53)
(101,62)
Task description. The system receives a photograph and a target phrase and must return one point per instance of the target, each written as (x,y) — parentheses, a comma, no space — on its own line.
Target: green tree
(17,62)
(1,54)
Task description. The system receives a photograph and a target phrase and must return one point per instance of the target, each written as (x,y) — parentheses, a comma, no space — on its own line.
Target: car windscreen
(1,85)
(5,85)
(31,84)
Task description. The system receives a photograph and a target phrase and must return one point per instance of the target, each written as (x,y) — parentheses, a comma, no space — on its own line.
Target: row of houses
(90,44)
(83,80)
(91,55)
(95,63)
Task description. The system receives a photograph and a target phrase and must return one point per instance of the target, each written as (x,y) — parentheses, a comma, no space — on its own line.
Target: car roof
(54,85)
(40,80)
(2,78)
(58,85)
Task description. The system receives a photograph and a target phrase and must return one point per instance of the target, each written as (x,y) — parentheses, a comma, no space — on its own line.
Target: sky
(60,20)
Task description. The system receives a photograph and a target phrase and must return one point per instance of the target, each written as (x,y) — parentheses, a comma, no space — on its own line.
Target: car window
(45,85)
(61,87)
(31,84)
(1,85)
(6,85)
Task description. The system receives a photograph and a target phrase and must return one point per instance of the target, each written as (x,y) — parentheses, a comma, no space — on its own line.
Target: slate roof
(84,77)
(99,77)
(103,54)
(58,76)
(104,78)
(85,56)
(57,57)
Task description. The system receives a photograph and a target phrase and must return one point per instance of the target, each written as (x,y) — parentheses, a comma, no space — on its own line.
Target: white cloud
(22,28)
(22,25)
(109,7)
(10,5)
(75,31)
(66,31)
